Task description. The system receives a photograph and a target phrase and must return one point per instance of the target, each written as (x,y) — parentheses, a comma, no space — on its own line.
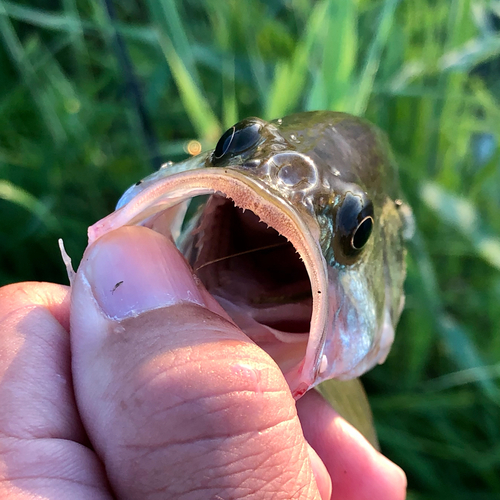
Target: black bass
(298,233)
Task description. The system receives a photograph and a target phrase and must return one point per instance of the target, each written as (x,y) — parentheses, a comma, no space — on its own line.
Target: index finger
(55,298)
(41,435)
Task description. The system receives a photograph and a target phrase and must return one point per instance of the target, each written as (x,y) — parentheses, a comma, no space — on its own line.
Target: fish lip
(248,193)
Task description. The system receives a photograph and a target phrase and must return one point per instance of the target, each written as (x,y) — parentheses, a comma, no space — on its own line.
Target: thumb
(176,400)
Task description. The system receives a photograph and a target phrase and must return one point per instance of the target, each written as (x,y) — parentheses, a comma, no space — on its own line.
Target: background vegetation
(76,130)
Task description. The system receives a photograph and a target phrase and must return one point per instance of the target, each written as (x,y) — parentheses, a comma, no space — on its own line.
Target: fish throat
(250,267)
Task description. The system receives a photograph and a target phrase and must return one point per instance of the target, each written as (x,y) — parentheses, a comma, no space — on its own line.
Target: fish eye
(237,140)
(354,224)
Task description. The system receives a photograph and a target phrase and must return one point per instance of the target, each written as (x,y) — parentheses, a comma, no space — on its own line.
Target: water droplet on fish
(167,165)
(336,173)
(280,121)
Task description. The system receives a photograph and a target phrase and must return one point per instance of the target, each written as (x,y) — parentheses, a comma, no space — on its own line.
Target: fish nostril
(295,171)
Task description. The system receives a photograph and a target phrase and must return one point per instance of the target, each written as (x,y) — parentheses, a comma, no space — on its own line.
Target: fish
(297,227)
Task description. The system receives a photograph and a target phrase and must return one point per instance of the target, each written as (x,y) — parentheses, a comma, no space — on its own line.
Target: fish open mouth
(243,261)
(258,257)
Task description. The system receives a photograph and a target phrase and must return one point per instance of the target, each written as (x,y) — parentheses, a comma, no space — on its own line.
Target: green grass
(427,72)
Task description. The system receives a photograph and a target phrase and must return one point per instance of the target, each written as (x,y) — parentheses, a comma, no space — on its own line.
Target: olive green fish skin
(353,146)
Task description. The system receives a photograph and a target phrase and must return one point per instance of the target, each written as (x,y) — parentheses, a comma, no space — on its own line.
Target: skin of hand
(156,394)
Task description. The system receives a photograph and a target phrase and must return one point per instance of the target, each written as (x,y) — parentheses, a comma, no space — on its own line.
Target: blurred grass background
(76,129)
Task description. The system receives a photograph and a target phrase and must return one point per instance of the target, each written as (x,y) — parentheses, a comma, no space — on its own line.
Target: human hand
(158,395)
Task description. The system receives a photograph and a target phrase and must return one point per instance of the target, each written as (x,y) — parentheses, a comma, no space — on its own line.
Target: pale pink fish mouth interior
(242,259)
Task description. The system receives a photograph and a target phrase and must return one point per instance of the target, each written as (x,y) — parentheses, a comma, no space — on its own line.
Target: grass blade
(370,67)
(290,77)
(197,107)
(14,194)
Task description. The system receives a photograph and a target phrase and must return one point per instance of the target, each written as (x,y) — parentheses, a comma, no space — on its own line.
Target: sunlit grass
(72,139)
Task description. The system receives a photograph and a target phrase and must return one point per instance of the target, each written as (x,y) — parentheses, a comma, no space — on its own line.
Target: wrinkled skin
(174,403)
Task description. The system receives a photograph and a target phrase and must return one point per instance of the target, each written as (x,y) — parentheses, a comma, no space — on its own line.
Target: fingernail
(134,269)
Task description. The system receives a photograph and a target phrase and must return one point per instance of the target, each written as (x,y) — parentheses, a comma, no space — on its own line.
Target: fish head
(299,235)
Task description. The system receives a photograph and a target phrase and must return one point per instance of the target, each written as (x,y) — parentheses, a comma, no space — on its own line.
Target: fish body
(298,233)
